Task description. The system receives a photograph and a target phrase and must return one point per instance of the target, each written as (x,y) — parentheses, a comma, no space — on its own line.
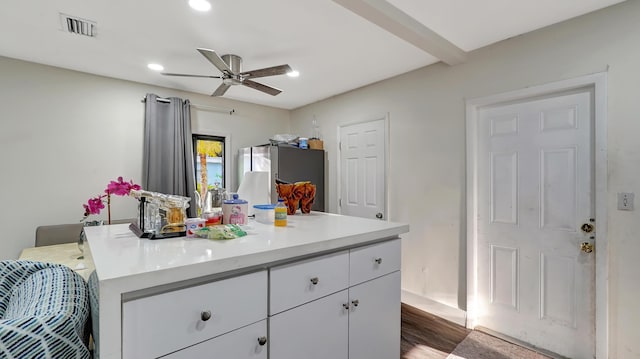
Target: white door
(535,192)
(362,169)
(374,318)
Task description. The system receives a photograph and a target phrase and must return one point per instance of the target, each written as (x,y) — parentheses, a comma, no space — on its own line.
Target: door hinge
(339,202)
(340,146)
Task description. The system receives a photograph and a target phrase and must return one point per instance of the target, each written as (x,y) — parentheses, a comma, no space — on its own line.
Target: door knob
(314,280)
(586,247)
(355,302)
(379,215)
(587,228)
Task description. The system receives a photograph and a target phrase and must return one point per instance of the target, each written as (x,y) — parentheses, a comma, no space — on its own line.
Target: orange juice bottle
(280,214)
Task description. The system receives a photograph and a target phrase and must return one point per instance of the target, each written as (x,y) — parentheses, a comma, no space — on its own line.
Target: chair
(57,234)
(44,311)
(64,233)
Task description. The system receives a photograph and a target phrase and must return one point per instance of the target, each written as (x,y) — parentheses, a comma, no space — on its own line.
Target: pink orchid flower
(121,188)
(93,206)
(118,187)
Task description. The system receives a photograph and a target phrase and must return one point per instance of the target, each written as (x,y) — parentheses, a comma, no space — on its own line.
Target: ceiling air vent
(77,25)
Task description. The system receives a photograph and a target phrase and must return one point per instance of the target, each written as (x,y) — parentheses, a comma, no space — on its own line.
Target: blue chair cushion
(44,311)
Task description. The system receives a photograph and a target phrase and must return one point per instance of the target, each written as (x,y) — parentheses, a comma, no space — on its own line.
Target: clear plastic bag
(222,231)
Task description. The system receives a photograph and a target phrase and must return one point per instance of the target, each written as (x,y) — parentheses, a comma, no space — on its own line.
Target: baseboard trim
(447,312)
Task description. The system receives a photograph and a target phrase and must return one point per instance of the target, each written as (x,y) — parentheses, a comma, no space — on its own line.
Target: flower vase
(82,238)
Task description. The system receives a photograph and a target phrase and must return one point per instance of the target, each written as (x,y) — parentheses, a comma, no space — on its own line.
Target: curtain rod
(202,107)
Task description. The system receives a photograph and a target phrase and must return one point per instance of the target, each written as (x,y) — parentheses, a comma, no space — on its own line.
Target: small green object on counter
(222,231)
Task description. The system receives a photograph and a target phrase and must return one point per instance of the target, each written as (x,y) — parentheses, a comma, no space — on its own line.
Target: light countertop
(117,253)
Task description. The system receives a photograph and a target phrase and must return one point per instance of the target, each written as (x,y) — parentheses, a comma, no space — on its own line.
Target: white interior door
(535,192)
(362,169)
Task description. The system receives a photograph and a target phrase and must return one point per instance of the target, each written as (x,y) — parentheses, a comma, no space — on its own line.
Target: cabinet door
(374,318)
(316,330)
(249,342)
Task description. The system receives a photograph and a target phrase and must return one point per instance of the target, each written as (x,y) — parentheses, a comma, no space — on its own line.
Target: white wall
(64,135)
(427,142)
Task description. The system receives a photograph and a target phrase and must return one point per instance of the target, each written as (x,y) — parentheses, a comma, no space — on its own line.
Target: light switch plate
(625,201)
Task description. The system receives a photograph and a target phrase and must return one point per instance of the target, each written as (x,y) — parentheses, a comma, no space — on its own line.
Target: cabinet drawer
(374,261)
(163,323)
(301,282)
(245,343)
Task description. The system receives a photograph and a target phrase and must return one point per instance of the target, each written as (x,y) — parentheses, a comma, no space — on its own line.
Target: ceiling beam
(397,22)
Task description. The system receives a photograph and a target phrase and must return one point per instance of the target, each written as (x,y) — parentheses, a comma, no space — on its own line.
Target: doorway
(536,192)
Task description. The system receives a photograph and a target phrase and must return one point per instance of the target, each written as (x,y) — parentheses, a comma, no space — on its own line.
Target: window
(208,154)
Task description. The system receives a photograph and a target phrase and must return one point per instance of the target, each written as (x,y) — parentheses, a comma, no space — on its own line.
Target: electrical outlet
(625,201)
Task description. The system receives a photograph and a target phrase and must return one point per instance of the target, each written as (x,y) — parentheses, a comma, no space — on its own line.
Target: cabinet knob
(355,302)
(378,260)
(345,306)
(314,280)
(262,340)
(205,315)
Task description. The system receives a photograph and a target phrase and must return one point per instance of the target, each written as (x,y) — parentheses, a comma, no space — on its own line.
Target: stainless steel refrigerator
(287,163)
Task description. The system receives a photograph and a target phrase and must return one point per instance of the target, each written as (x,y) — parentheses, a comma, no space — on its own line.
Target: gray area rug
(478,345)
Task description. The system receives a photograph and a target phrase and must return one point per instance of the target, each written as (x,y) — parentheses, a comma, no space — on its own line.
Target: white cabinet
(249,342)
(317,330)
(374,318)
(360,320)
(369,262)
(303,281)
(342,305)
(164,323)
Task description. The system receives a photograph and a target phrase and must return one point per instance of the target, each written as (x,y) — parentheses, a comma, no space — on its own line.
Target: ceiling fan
(232,74)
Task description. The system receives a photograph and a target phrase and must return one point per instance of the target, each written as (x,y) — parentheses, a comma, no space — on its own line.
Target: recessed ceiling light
(200,5)
(293,73)
(155,67)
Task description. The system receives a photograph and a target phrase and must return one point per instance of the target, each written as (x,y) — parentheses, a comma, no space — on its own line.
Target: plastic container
(265,213)
(193,224)
(280,214)
(234,211)
(212,218)
(303,142)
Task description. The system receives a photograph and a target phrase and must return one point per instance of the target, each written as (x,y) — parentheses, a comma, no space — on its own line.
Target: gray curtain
(168,149)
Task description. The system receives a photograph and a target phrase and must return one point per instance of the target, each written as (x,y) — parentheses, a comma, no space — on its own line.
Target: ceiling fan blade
(221,90)
(260,87)
(215,60)
(267,71)
(189,75)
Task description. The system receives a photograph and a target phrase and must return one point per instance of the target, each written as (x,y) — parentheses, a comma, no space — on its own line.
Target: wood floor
(426,336)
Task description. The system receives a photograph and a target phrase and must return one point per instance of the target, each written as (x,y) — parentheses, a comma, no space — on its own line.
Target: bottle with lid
(280,210)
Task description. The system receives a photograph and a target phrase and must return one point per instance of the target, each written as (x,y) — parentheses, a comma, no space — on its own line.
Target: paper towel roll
(255,189)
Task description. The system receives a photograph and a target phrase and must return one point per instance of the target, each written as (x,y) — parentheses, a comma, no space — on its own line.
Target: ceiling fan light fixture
(200,5)
(155,67)
(230,67)
(293,73)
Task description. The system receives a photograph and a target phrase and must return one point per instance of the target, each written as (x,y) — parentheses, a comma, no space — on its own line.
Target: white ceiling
(334,49)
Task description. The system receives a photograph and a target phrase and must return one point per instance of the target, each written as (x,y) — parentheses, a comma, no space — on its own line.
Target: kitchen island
(181,296)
